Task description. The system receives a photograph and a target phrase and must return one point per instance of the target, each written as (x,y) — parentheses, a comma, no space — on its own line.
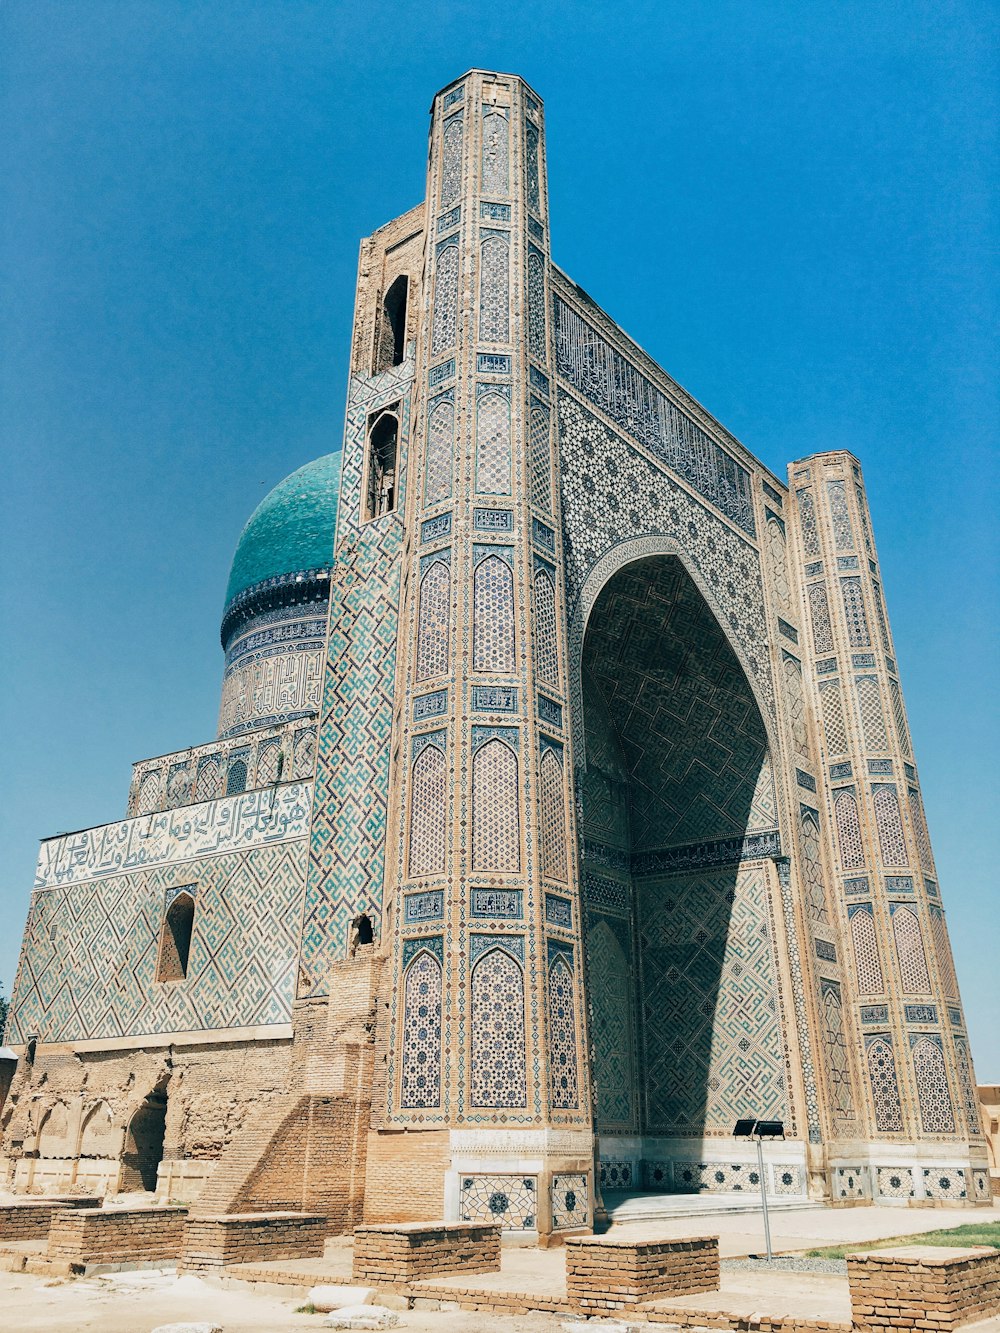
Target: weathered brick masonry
(387,1256)
(31,1220)
(923,1287)
(607,1274)
(116,1235)
(212,1242)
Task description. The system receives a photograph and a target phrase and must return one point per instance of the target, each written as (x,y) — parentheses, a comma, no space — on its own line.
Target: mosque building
(563,808)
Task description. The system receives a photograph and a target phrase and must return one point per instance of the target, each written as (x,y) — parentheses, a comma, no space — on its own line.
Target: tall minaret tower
(486,1033)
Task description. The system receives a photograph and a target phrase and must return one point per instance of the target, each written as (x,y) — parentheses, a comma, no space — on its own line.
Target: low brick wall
(116,1235)
(608,1274)
(30,1219)
(923,1287)
(391,1255)
(243,1238)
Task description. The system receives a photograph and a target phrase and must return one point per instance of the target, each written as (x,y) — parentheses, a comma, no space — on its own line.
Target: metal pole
(763,1198)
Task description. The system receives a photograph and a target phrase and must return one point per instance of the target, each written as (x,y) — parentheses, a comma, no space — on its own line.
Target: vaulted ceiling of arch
(689,733)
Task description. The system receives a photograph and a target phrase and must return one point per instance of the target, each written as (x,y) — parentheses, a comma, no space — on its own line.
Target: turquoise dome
(292,528)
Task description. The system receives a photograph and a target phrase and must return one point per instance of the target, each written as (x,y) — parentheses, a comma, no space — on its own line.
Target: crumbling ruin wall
(66,1122)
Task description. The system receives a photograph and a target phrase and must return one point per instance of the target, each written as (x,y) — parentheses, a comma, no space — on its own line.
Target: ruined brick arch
(53,1127)
(100,1136)
(143,1150)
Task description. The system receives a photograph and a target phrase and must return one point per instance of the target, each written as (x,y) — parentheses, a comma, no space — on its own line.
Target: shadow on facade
(679,969)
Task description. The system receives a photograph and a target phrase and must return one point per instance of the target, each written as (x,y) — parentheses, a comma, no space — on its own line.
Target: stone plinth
(392,1255)
(242,1238)
(923,1287)
(86,1236)
(608,1274)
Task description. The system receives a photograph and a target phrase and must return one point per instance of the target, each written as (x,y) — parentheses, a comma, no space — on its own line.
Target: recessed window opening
(383,440)
(390,343)
(361,933)
(236,778)
(175,939)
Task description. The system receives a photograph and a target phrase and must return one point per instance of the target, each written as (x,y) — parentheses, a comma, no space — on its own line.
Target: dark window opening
(175,939)
(383,440)
(361,933)
(236,778)
(144,1142)
(390,340)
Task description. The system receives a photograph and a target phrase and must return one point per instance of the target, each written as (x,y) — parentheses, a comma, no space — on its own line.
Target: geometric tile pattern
(946,1183)
(895,1182)
(451,160)
(496,839)
(936,1111)
(820,613)
(611,1030)
(868,968)
(541,485)
(445,297)
(852,852)
(910,950)
(570,1202)
(422,1033)
(536,303)
(854,613)
(493,617)
(546,649)
(88,970)
(440,436)
(807,523)
(553,816)
(428,812)
(890,825)
(494,280)
(834,731)
(562,1036)
(839,515)
(498,1037)
(347,839)
(713,1042)
(433,619)
(511,1201)
(967,1084)
(496,154)
(837,1060)
(872,720)
(885,1090)
(493,440)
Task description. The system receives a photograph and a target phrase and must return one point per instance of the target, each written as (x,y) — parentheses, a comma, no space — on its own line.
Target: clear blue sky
(790,206)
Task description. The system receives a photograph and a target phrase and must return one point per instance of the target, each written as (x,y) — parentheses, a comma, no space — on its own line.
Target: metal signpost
(761,1130)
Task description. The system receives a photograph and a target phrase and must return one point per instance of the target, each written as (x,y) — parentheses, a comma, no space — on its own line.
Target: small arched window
(236,778)
(390,342)
(175,939)
(383,441)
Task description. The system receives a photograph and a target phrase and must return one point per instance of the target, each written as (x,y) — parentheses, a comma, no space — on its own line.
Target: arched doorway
(678,810)
(144,1142)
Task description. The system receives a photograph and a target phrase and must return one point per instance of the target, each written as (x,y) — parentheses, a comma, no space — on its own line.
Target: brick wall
(31,1219)
(387,1256)
(116,1235)
(406,1173)
(923,1287)
(606,1274)
(212,1242)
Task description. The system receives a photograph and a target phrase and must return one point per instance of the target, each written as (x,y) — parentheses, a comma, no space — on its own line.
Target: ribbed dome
(292,528)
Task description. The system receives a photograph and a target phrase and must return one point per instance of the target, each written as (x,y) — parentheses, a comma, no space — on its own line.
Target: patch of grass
(970,1233)
(308,1308)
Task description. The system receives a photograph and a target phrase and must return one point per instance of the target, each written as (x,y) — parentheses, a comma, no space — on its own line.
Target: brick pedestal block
(116,1235)
(243,1238)
(607,1274)
(30,1219)
(396,1254)
(923,1287)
